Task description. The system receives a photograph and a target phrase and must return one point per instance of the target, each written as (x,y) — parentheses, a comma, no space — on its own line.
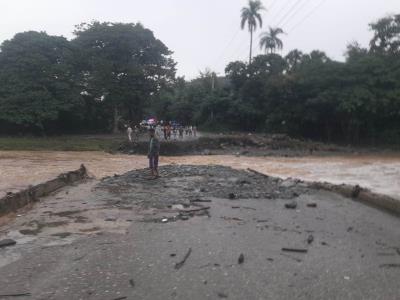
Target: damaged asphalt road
(184,236)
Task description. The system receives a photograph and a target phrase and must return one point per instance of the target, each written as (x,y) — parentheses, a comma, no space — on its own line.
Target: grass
(61,143)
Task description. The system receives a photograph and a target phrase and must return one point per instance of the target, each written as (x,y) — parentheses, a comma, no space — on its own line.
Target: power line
(272,5)
(294,14)
(307,16)
(289,12)
(283,8)
(226,47)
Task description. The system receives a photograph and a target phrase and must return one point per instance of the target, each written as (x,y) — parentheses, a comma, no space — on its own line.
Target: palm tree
(270,40)
(252,18)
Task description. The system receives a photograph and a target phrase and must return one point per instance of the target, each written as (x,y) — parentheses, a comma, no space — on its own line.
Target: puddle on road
(381,173)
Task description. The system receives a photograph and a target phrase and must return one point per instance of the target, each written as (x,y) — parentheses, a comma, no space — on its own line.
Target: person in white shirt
(129,131)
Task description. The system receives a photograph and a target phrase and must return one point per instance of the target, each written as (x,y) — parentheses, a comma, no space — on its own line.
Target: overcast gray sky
(205,33)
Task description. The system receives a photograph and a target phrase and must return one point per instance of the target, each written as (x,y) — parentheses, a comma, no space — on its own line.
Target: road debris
(389,266)
(15,295)
(222,295)
(310,239)
(249,208)
(132,282)
(232,196)
(200,201)
(181,263)
(194,210)
(312,205)
(7,243)
(291,205)
(297,250)
(356,191)
(241,259)
(232,219)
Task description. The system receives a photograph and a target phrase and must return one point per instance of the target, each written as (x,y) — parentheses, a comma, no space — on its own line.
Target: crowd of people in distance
(174,131)
(166,130)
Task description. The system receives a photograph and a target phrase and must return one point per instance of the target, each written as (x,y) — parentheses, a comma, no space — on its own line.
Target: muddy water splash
(380,173)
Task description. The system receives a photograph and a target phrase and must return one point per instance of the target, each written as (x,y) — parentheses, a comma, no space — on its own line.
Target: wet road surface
(108,240)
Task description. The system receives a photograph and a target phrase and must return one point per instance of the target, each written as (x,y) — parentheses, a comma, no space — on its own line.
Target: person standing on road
(169,129)
(129,131)
(136,134)
(165,131)
(181,132)
(154,152)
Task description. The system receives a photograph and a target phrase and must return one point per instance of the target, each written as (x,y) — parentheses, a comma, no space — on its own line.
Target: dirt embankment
(238,144)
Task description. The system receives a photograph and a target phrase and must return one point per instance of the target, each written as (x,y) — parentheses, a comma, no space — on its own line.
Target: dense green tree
(270,64)
(293,59)
(386,37)
(237,73)
(37,81)
(251,16)
(123,65)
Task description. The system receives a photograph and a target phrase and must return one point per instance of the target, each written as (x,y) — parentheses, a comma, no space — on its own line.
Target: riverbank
(205,144)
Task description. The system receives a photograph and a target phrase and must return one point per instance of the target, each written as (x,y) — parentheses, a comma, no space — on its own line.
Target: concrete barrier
(354,192)
(14,201)
(364,195)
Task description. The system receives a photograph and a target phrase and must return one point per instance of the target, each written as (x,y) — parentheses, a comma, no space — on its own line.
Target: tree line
(111,73)
(302,94)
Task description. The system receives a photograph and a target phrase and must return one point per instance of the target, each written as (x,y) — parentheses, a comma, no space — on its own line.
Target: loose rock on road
(107,240)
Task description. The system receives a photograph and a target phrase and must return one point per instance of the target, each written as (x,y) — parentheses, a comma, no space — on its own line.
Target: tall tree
(123,65)
(37,80)
(251,17)
(270,40)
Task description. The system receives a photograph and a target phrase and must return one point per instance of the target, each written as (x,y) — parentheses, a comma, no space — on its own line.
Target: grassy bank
(61,143)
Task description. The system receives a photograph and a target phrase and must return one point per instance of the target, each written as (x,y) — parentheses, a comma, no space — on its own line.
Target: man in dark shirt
(154,151)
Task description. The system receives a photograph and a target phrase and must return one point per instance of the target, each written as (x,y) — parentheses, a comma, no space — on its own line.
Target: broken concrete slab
(15,201)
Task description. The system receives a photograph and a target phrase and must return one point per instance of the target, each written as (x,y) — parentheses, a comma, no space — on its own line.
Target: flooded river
(380,173)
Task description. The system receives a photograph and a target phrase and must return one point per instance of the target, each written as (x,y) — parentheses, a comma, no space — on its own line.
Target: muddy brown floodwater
(380,173)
